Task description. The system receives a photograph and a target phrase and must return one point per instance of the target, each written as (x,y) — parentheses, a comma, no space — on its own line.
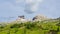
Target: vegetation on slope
(38,27)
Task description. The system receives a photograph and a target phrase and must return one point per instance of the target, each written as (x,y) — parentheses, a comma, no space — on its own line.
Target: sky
(11,9)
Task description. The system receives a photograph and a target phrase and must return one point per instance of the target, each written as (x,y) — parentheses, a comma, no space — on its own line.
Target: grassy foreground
(43,27)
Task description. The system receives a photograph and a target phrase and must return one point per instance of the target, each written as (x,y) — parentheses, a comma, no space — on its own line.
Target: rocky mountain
(40,18)
(36,18)
(58,18)
(21,19)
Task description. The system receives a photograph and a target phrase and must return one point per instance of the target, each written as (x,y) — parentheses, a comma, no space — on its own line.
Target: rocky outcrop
(40,18)
(36,18)
(21,19)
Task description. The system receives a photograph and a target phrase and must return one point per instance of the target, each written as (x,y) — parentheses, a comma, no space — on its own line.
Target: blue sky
(14,8)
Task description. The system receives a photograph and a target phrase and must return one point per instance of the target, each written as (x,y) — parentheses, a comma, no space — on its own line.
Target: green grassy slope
(43,27)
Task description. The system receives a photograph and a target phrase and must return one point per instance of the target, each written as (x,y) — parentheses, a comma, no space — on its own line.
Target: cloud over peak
(32,5)
(32,1)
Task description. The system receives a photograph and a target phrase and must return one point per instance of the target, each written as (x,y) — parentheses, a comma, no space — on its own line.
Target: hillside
(37,27)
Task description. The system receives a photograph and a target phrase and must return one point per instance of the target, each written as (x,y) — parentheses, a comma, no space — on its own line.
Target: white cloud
(31,5)
(32,1)
(19,1)
(34,7)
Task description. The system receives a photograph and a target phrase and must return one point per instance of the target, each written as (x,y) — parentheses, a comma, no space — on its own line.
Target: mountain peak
(40,17)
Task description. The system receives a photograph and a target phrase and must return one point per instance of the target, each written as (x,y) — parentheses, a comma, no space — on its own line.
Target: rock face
(21,19)
(40,18)
(36,18)
(58,18)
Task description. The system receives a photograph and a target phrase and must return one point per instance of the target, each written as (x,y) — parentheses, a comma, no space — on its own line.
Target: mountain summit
(40,17)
